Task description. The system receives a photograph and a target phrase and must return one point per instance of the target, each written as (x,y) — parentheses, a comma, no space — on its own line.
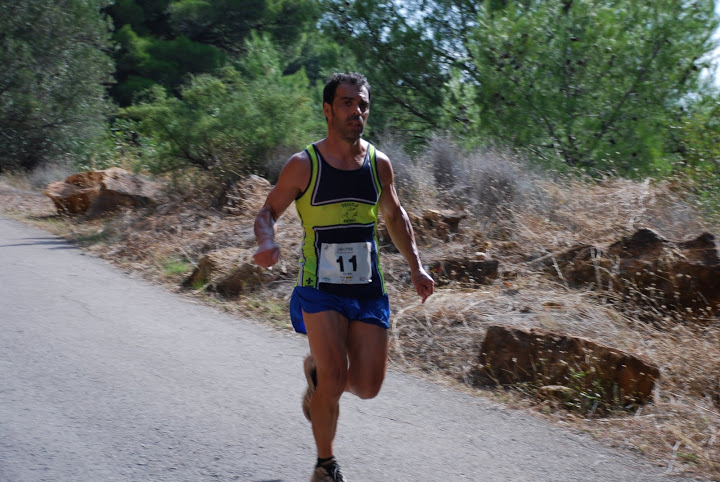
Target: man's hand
(267,254)
(424,284)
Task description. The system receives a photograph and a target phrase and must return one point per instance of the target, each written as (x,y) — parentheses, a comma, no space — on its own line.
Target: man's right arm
(401,231)
(292,181)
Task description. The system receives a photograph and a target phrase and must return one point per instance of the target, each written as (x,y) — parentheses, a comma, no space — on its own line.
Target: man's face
(349,111)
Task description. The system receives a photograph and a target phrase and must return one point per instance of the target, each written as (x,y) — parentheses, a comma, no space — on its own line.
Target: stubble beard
(347,133)
(351,136)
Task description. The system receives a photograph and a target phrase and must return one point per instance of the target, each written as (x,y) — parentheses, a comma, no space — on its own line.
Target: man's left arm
(401,231)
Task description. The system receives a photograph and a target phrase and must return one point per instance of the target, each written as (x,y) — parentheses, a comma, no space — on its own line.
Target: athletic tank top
(339,213)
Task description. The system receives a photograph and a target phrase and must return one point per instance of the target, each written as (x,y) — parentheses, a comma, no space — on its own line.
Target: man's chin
(353,136)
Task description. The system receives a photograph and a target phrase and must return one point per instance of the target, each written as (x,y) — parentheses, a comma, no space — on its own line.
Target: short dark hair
(336,79)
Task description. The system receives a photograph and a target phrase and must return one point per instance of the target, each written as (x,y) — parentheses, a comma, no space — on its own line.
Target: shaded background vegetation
(227,86)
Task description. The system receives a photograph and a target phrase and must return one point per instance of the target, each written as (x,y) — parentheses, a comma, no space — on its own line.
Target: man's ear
(327,109)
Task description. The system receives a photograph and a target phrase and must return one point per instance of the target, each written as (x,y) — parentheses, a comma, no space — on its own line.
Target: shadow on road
(55,242)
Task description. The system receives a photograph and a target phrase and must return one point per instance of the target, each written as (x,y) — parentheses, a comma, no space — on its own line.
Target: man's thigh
(367,347)
(335,341)
(327,333)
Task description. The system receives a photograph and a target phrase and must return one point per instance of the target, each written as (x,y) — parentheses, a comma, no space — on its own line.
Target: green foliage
(176,267)
(128,12)
(54,67)
(695,140)
(146,61)
(144,16)
(697,132)
(229,123)
(398,55)
(133,86)
(592,83)
(163,41)
(590,394)
(597,87)
(320,57)
(227,23)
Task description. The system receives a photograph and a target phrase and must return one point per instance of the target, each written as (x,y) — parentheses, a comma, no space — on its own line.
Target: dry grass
(516,216)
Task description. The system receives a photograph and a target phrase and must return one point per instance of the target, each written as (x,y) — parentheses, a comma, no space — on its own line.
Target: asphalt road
(105,377)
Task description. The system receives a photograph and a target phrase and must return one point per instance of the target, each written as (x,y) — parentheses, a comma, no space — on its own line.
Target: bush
(484,181)
(230,123)
(52,98)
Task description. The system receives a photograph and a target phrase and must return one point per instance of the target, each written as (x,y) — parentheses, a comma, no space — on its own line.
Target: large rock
(447,218)
(96,192)
(510,356)
(231,272)
(476,269)
(442,224)
(679,275)
(247,195)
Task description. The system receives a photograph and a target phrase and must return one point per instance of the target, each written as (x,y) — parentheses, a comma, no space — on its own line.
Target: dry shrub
(426,338)
(568,211)
(487,182)
(681,426)
(37,179)
(44,175)
(448,329)
(686,350)
(216,166)
(414,182)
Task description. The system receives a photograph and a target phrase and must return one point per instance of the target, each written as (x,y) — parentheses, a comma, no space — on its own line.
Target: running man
(340,301)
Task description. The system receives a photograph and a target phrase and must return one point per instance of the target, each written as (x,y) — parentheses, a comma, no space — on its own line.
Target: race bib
(345,263)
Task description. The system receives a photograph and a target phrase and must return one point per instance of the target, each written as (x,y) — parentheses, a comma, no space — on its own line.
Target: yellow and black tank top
(339,213)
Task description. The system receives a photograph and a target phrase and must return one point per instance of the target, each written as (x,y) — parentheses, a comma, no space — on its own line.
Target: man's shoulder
(381,158)
(296,173)
(300,158)
(379,155)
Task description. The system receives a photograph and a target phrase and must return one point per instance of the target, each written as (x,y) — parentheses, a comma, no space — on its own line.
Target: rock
(70,198)
(448,217)
(443,224)
(247,194)
(556,391)
(230,271)
(679,275)
(96,192)
(510,356)
(478,269)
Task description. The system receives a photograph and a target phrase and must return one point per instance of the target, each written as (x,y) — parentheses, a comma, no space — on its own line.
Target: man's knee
(367,387)
(366,393)
(333,380)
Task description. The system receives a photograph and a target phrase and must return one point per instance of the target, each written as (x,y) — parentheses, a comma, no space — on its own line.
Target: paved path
(104,377)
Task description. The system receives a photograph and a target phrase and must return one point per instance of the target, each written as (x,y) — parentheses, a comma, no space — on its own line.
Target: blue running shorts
(375,311)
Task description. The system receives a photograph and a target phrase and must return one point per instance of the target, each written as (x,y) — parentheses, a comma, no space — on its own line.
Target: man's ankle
(324,460)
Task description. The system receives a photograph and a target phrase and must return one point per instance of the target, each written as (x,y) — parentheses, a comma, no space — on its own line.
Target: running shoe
(311,376)
(329,472)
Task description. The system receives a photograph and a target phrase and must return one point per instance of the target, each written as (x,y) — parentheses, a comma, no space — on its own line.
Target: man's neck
(349,154)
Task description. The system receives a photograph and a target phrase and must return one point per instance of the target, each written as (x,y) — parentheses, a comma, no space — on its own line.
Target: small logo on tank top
(350,212)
